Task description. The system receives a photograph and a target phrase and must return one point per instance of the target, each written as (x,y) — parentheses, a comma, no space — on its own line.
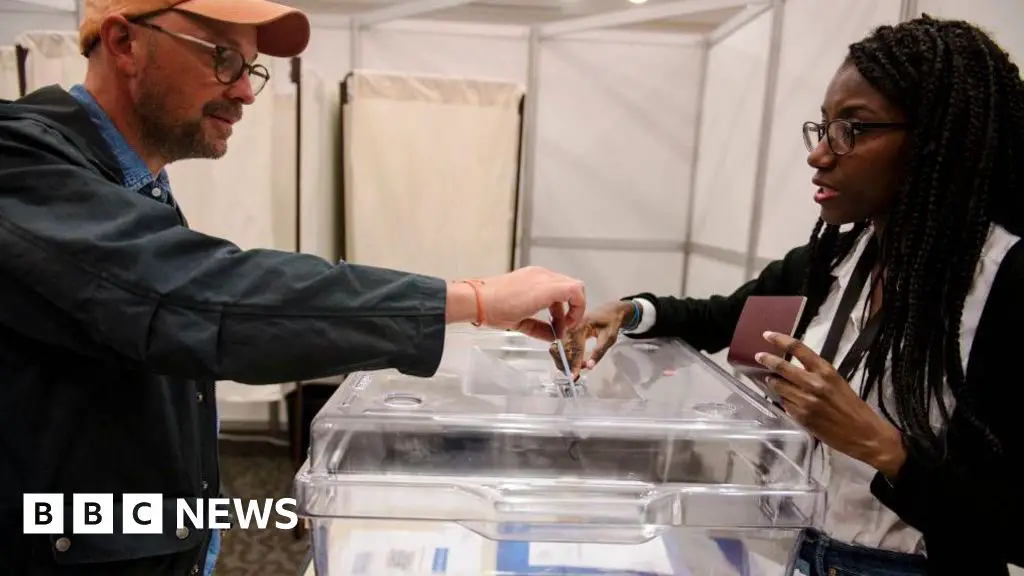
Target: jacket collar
(61,112)
(135,173)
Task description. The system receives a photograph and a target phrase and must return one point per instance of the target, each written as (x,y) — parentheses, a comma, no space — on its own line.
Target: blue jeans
(820,555)
(214,550)
(212,553)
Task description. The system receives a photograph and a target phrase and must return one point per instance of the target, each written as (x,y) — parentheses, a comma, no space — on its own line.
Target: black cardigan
(969,506)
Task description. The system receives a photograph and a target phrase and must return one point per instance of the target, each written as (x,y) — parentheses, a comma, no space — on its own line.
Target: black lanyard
(851,295)
(860,346)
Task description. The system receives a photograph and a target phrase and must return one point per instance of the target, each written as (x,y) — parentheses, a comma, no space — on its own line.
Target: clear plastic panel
(658,437)
(423,548)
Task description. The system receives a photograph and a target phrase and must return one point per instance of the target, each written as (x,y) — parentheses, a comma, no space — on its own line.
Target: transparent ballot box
(656,462)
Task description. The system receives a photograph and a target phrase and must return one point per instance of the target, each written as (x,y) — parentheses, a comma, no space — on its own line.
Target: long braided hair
(964,98)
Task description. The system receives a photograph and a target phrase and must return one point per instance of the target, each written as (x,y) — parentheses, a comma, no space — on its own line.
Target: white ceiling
(524,12)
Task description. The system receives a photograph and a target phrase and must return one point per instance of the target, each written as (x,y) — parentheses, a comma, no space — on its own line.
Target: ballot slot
(524,371)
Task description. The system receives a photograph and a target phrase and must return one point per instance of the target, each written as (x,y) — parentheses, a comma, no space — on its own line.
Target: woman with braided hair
(920,153)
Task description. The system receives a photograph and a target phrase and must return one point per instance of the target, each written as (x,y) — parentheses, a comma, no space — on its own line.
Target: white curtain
(8,73)
(320,159)
(430,173)
(53,58)
(247,197)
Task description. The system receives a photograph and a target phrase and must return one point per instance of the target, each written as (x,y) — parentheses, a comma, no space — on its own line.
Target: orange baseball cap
(281,31)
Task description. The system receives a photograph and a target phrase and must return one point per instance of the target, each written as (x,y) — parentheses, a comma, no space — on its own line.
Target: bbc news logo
(144,513)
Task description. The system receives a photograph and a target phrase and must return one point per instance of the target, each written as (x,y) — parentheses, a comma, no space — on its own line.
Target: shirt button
(62,544)
(181,533)
(199,396)
(156,192)
(206,485)
(195,570)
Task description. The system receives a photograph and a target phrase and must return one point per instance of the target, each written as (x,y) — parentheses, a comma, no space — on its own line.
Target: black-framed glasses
(228,63)
(841,134)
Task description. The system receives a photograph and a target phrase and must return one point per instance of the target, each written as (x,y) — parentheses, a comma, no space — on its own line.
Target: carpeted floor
(258,470)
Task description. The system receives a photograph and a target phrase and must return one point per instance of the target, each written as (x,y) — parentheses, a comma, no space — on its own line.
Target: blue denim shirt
(137,177)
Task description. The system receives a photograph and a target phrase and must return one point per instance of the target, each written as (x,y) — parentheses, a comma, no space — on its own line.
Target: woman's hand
(603,324)
(823,402)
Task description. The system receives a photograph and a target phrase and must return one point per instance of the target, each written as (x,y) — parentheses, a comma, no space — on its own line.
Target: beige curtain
(431,167)
(53,58)
(320,160)
(8,73)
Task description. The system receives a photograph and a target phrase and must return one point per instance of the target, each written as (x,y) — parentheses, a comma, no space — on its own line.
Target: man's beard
(179,140)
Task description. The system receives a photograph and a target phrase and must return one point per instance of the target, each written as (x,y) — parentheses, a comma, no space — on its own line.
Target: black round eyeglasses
(841,134)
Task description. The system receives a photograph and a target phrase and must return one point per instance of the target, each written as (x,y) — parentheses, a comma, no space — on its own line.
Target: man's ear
(120,41)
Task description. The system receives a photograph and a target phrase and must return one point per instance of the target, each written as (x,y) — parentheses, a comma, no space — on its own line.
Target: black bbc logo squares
(92,514)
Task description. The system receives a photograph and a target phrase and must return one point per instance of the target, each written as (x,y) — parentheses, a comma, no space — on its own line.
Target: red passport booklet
(762,314)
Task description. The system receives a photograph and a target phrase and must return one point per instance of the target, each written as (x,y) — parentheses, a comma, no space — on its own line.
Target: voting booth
(656,462)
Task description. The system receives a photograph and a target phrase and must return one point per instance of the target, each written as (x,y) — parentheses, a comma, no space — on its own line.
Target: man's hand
(510,302)
(822,401)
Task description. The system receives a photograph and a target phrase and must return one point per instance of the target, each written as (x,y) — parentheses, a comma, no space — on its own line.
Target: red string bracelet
(476,284)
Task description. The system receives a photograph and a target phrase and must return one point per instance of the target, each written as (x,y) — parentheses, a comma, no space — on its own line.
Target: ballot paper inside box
(658,463)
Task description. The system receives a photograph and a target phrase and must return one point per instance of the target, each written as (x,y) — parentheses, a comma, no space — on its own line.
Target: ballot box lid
(656,434)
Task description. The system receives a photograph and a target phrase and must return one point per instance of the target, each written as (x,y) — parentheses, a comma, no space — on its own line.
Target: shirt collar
(136,173)
(844,270)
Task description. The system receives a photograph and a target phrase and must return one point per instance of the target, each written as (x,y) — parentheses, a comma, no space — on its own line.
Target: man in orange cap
(150,63)
(117,320)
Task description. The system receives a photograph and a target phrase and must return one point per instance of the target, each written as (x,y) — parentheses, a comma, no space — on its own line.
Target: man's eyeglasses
(228,64)
(841,134)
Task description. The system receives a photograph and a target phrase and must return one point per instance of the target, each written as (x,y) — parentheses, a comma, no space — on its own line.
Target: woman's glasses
(841,134)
